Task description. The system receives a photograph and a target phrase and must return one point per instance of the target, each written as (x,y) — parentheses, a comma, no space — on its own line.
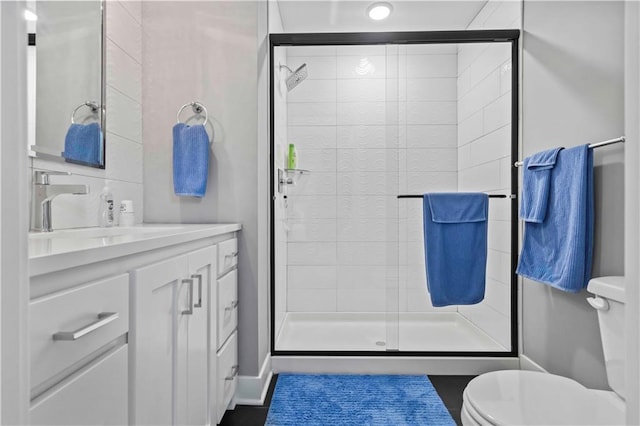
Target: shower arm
(286,67)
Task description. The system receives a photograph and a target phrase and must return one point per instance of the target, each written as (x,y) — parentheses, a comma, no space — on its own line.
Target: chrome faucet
(42,195)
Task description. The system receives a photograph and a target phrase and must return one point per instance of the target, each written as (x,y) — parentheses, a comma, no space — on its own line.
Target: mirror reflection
(65,81)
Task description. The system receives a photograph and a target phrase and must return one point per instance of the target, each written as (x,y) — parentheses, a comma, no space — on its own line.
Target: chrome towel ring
(91,104)
(197,109)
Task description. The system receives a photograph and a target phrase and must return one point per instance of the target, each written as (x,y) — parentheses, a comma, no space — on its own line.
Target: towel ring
(197,108)
(91,104)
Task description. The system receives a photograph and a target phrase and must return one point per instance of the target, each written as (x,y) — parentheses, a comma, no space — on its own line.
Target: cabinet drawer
(227,255)
(227,306)
(96,395)
(96,313)
(227,374)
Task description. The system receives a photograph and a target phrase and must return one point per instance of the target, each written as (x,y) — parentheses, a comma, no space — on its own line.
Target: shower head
(296,76)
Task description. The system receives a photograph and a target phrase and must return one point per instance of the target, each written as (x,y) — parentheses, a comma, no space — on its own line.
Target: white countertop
(58,250)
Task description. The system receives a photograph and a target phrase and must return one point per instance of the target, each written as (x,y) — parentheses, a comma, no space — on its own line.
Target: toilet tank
(609,301)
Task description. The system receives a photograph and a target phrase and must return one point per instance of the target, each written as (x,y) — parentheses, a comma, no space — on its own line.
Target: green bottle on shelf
(293,157)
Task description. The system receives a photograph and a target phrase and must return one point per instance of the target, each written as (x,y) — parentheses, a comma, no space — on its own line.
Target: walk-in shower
(380,119)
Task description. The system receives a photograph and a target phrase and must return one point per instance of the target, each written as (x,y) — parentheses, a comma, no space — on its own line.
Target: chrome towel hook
(93,106)
(197,108)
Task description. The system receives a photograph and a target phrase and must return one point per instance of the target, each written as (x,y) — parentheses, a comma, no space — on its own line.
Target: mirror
(66,81)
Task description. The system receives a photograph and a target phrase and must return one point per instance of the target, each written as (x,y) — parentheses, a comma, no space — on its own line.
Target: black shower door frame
(405,38)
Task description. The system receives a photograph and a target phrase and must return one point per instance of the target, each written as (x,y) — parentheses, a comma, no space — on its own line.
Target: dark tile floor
(448,387)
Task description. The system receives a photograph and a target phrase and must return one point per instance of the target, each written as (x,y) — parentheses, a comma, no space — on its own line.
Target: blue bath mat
(349,400)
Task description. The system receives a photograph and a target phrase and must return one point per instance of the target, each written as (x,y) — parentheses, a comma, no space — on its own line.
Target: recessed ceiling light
(30,16)
(379,11)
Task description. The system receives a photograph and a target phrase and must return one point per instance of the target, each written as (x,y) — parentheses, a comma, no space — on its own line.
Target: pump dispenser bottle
(106,208)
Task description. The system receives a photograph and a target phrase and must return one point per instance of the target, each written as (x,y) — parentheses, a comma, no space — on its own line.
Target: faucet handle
(42,176)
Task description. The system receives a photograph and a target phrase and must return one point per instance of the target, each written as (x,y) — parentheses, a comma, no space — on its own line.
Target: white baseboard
(252,390)
(527,363)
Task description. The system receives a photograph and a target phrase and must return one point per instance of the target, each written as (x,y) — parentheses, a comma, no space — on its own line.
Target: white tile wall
(484,163)
(440,125)
(123,133)
(285,278)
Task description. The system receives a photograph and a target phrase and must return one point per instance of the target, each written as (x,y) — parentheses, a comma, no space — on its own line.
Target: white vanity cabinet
(126,331)
(180,372)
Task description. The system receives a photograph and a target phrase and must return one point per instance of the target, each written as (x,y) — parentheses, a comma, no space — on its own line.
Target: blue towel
(536,180)
(190,160)
(455,236)
(558,251)
(83,144)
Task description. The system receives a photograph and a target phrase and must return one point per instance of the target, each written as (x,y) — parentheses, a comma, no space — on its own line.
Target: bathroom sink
(84,233)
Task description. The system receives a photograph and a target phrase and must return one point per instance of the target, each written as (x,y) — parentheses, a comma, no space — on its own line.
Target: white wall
(14,222)
(123,172)
(632,216)
(573,94)
(484,156)
(213,54)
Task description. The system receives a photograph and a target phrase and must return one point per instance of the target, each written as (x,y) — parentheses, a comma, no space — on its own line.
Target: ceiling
(303,16)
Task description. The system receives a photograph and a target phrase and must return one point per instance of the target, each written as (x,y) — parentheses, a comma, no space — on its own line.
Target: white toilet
(515,397)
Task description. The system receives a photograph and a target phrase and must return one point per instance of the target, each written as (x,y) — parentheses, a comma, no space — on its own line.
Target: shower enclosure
(375,118)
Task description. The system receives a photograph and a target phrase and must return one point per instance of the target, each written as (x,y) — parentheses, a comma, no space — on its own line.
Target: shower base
(380,332)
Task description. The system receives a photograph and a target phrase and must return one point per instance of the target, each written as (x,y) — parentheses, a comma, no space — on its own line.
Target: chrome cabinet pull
(233,254)
(104,318)
(234,372)
(234,304)
(199,277)
(190,310)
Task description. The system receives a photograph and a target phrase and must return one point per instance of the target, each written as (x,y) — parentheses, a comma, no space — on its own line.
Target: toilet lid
(526,397)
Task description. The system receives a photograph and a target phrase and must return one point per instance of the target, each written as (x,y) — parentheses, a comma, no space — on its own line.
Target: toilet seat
(516,397)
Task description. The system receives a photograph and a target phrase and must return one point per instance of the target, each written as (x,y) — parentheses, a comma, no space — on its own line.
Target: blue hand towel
(83,144)
(536,179)
(558,251)
(190,160)
(455,236)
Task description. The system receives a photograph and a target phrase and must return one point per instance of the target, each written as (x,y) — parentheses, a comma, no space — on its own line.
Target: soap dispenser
(106,208)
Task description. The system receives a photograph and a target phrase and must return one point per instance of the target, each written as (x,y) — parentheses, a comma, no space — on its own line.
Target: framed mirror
(66,81)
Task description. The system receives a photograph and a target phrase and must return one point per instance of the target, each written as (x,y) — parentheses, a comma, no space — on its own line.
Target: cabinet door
(153,332)
(193,341)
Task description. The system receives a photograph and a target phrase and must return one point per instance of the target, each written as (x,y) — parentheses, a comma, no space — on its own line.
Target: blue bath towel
(455,236)
(558,251)
(536,180)
(83,144)
(190,160)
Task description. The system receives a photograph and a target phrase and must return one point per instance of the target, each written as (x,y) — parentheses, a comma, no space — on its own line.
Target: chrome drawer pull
(234,372)
(190,310)
(234,304)
(104,318)
(233,254)
(199,277)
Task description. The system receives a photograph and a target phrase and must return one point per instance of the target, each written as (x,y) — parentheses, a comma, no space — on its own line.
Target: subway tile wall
(484,149)
(123,172)
(370,122)
(280,214)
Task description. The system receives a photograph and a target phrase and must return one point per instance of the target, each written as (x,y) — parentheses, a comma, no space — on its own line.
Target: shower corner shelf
(297,171)
(290,177)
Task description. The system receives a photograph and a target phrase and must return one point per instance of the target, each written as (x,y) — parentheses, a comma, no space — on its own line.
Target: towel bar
(510,196)
(621,139)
